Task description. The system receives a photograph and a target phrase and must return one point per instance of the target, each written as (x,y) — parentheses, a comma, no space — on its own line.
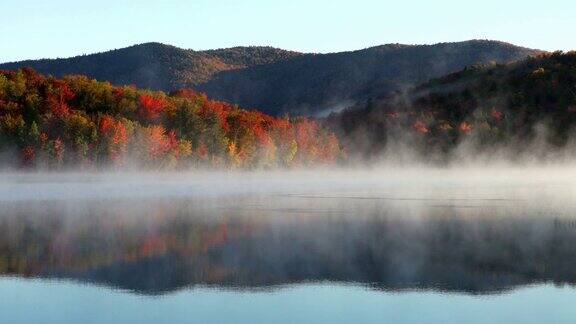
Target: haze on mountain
(516,112)
(277,81)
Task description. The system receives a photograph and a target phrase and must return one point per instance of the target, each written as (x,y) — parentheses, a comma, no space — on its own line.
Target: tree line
(78,122)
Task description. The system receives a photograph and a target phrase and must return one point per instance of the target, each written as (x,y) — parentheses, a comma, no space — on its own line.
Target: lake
(393,245)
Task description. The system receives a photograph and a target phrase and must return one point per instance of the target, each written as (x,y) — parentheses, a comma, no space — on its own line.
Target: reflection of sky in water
(402,247)
(64,302)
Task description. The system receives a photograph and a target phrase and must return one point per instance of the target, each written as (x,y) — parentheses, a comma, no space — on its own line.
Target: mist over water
(388,181)
(470,231)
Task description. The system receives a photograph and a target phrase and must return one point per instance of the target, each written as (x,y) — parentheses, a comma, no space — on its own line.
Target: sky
(64,28)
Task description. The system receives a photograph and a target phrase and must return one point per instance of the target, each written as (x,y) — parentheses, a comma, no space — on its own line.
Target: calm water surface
(400,247)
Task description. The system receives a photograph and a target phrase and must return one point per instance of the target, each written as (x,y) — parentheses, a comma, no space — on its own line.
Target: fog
(472,230)
(391,182)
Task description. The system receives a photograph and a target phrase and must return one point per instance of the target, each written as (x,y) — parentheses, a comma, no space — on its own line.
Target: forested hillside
(277,81)
(486,108)
(78,122)
(317,84)
(156,66)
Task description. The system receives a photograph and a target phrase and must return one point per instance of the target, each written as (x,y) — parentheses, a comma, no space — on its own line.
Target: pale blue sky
(62,28)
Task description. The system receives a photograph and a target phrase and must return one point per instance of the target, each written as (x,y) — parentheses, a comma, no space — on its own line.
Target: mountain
(278,81)
(312,84)
(156,66)
(524,109)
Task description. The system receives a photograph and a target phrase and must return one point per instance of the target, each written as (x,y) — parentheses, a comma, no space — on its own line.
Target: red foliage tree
(420,127)
(106,124)
(115,137)
(497,115)
(58,99)
(43,138)
(150,108)
(28,156)
(465,127)
(159,144)
(119,136)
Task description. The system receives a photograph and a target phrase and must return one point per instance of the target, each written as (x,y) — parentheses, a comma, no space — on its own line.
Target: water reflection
(157,246)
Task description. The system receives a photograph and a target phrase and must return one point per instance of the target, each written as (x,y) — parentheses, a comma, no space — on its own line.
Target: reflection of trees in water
(162,246)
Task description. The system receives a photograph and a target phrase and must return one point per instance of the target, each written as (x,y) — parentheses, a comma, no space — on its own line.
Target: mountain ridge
(278,81)
(153,65)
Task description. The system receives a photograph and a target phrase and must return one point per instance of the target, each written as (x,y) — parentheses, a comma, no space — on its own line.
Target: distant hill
(524,109)
(278,81)
(156,66)
(310,84)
